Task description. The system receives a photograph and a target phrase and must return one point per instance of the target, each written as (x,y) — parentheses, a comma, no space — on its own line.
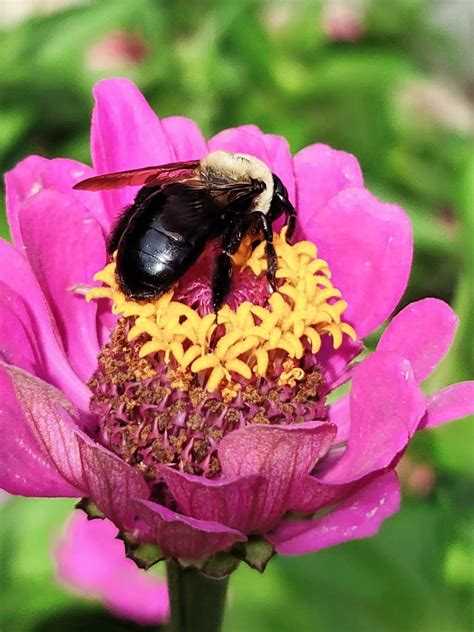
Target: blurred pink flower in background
(117,49)
(417,478)
(90,560)
(340,456)
(343,20)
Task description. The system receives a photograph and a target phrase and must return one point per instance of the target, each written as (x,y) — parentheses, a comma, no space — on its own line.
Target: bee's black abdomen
(163,239)
(152,265)
(121,223)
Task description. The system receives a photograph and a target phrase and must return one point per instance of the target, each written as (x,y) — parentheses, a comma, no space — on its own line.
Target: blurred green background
(389,81)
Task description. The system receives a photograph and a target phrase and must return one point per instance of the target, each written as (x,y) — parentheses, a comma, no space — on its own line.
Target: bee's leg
(221,280)
(222,276)
(272,261)
(290,219)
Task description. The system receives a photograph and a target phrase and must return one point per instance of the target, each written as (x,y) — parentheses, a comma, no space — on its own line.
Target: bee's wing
(148,176)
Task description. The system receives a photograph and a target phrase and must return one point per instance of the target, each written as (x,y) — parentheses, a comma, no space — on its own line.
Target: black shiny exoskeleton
(165,230)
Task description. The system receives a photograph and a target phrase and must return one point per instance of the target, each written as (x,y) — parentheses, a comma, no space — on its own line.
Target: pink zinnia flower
(180,441)
(90,560)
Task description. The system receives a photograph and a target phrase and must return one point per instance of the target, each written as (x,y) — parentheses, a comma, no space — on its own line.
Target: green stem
(197,602)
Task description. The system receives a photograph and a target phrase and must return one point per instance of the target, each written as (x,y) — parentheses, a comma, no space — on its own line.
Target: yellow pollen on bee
(304,309)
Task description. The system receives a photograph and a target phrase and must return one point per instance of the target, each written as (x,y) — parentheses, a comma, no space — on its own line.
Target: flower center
(174,379)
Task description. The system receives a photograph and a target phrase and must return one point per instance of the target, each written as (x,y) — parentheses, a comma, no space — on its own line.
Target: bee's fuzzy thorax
(226,166)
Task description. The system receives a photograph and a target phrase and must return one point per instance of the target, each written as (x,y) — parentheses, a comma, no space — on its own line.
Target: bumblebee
(180,207)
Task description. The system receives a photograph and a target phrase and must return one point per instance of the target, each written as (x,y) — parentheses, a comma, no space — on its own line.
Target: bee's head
(280,199)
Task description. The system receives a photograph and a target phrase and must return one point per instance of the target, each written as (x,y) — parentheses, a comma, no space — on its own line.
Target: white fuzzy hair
(225,166)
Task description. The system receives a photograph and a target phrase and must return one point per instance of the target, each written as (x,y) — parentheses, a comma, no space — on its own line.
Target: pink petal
(360,516)
(448,404)
(339,414)
(39,452)
(272,150)
(43,452)
(106,321)
(282,456)
(335,362)
(185,138)
(17,345)
(91,560)
(228,501)
(181,536)
(314,494)
(422,333)
(17,275)
(34,174)
(126,134)
(112,484)
(106,479)
(386,405)
(65,247)
(368,245)
(321,172)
